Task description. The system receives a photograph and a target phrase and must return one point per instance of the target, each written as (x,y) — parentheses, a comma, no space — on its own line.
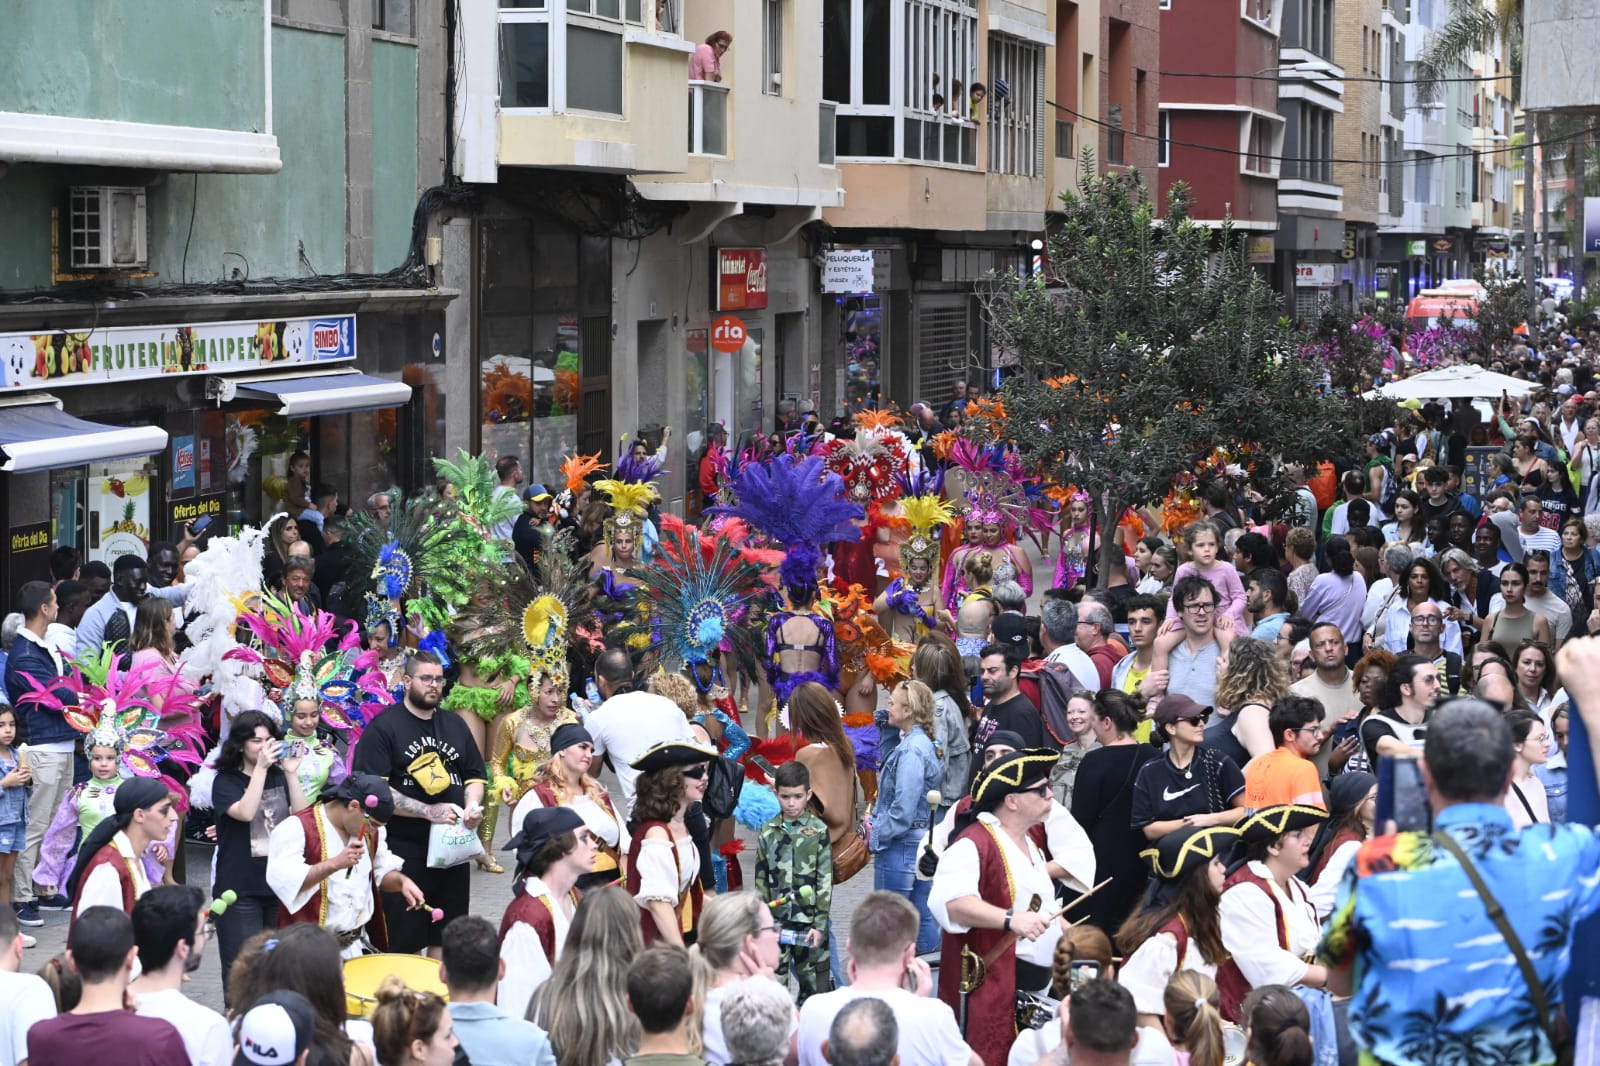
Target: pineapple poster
(121,506)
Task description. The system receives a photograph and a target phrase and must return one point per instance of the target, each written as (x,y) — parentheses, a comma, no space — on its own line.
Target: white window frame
(556,15)
(1016,144)
(1267,14)
(772,15)
(1251,122)
(913,24)
(1163,138)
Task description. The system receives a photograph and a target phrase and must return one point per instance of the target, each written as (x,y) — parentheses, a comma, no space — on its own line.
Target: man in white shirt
(630,721)
(1058,632)
(509,470)
(29,997)
(882,951)
(1535,537)
(170,929)
(328,863)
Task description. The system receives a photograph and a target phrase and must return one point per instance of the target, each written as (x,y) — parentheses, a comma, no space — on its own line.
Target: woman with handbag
(899,822)
(1102,802)
(825,751)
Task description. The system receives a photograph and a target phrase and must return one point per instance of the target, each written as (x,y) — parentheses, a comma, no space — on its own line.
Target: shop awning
(305,395)
(39,435)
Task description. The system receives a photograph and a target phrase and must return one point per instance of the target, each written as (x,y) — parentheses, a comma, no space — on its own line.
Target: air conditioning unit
(106,228)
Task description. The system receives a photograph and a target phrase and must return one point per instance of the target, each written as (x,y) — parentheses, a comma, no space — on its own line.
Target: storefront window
(863,346)
(529,380)
(697,368)
(69,508)
(119,509)
(747,371)
(258,449)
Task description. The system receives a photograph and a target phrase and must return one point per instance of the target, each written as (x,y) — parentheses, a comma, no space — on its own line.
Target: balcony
(708,118)
(596,89)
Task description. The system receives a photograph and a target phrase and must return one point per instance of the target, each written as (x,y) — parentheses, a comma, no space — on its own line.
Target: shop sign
(848,271)
(30,555)
(1316,275)
(119,505)
(62,358)
(741,279)
(728,333)
(1416,247)
(1260,249)
(1591,225)
(187,511)
(182,465)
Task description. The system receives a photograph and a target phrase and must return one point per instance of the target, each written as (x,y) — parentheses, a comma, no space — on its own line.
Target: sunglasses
(1198,719)
(697,772)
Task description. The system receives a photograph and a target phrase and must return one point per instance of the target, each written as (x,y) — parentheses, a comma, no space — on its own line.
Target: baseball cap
(1176,705)
(535,491)
(1011,629)
(276,1031)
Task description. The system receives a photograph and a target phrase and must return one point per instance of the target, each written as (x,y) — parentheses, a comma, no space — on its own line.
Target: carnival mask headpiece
(630,494)
(871,464)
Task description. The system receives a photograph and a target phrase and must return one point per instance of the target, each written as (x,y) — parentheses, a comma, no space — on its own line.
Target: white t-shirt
(1077,660)
(716,1045)
(929,1035)
(31,1001)
(629,724)
(205,1032)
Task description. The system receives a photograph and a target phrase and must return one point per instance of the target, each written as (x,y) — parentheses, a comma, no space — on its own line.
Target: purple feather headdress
(796,502)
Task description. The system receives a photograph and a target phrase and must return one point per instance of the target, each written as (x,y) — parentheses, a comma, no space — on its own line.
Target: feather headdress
(481,505)
(630,494)
(696,597)
(118,709)
(924,514)
(992,490)
(419,562)
(519,624)
(299,665)
(796,502)
(219,580)
(575,469)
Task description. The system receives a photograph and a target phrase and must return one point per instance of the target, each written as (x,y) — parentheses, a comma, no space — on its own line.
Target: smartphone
(1081,973)
(200,525)
(761,763)
(1402,797)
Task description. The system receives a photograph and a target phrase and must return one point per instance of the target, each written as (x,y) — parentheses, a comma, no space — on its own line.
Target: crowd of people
(1109,817)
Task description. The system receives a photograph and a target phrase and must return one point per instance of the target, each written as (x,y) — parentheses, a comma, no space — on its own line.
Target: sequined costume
(989,482)
(520,747)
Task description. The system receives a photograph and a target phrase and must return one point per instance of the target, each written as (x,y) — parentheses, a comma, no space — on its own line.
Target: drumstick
(1079,900)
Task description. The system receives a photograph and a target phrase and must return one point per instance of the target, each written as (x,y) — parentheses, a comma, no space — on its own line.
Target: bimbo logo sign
(330,338)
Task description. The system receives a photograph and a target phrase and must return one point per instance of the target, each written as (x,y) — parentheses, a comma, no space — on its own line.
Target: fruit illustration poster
(119,511)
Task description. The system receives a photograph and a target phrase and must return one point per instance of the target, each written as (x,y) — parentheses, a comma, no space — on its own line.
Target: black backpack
(724,782)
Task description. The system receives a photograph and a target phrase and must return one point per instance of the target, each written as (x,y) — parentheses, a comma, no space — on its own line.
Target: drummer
(328,863)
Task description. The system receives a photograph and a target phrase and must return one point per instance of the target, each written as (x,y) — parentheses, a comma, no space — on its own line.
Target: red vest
(992,1007)
(688,906)
(108,856)
(316,909)
(1232,986)
(533,911)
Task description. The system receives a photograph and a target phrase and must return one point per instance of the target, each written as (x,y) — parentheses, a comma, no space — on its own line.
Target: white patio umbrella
(1461,381)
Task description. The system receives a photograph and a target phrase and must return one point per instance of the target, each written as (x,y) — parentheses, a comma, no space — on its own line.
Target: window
(1164,138)
(772,47)
(908,100)
(1313,148)
(1065,139)
(395,16)
(1016,107)
(1114,135)
(565,54)
(1263,141)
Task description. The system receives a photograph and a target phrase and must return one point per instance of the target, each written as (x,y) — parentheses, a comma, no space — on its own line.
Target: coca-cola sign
(741,279)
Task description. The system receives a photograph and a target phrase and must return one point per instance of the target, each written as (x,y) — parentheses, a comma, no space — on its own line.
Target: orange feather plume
(577,468)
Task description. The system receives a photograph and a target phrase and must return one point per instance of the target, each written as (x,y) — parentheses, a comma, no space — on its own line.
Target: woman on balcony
(706,63)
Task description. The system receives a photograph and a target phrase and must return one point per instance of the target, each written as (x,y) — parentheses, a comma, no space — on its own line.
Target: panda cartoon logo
(15,355)
(296,341)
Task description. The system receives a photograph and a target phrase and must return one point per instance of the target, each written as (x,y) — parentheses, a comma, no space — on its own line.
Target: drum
(363,975)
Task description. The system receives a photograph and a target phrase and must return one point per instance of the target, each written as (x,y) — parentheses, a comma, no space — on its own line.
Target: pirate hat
(672,753)
(1011,774)
(1181,850)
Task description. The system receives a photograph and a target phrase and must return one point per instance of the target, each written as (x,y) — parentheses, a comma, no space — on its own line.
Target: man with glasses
(1427,623)
(329,862)
(436,774)
(1189,655)
(1286,774)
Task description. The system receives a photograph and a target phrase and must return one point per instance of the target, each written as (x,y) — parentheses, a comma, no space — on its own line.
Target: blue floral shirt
(1434,981)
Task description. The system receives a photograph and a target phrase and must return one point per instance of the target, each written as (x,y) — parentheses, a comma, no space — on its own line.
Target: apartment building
(1313,238)
(1493,206)
(1357,141)
(208,263)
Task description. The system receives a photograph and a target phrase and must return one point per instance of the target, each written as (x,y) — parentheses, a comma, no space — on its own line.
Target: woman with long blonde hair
(584,1004)
(564,780)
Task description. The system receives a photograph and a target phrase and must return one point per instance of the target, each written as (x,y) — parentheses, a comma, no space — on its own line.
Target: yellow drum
(363,975)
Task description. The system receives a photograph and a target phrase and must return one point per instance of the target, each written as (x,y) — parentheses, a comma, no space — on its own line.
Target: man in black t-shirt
(437,775)
(1004,706)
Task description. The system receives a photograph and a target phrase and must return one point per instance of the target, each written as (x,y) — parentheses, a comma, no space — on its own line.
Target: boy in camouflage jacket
(794,873)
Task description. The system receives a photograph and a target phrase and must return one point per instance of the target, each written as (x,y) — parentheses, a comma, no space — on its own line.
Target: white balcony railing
(708,118)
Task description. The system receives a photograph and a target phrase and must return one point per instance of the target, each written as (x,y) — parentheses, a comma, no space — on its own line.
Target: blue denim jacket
(904,780)
(1558,576)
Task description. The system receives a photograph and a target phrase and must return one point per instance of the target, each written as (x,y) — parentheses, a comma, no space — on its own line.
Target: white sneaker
(28,941)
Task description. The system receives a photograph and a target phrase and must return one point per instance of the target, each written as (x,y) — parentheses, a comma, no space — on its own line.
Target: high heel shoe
(488,865)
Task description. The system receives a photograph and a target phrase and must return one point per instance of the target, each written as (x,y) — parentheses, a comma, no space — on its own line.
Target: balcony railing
(827,122)
(708,118)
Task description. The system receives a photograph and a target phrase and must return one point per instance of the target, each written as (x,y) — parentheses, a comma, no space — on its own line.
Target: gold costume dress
(519,748)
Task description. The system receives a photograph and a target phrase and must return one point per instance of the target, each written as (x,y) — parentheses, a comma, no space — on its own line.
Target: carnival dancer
(994,898)
(521,620)
(1077,542)
(554,849)
(630,536)
(663,870)
(795,502)
(116,711)
(563,780)
(910,607)
(871,463)
(998,502)
(328,863)
(1268,922)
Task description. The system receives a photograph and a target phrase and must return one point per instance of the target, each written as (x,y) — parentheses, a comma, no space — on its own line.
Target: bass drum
(363,975)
